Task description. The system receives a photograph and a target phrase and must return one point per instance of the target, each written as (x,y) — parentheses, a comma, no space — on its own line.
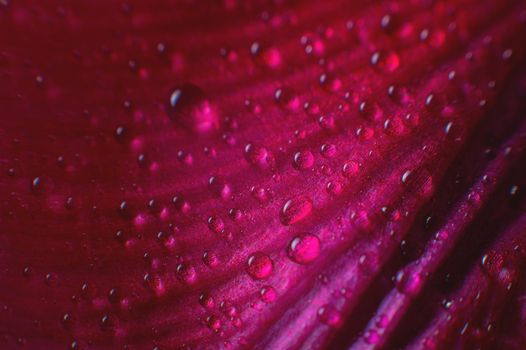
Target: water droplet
(155,284)
(66,321)
(506,54)
(328,150)
(51,279)
(350,168)
(406,176)
(269,57)
(219,187)
(303,160)
(259,193)
(296,210)
(207,301)
(189,106)
(365,133)
(304,249)
(113,296)
(210,259)
(181,204)
(492,262)
(394,126)
(334,187)
(186,274)
(386,23)
(361,220)
(408,281)
(216,224)
(36,184)
(329,315)
(106,322)
(371,337)
(259,156)
(330,83)
(388,61)
(327,122)
(268,294)
(259,266)
(213,322)
(287,99)
(235,214)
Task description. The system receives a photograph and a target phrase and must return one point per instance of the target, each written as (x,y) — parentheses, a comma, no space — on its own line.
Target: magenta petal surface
(262,174)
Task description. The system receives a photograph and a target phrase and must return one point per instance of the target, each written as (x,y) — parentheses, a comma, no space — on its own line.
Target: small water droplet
(155,284)
(329,315)
(36,184)
(213,323)
(406,176)
(269,57)
(330,82)
(186,274)
(287,99)
(268,294)
(216,224)
(388,61)
(207,301)
(371,337)
(334,187)
(181,204)
(219,187)
(106,322)
(361,220)
(210,259)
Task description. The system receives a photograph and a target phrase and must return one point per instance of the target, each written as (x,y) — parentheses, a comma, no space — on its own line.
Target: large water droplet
(304,249)
(259,266)
(189,106)
(295,210)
